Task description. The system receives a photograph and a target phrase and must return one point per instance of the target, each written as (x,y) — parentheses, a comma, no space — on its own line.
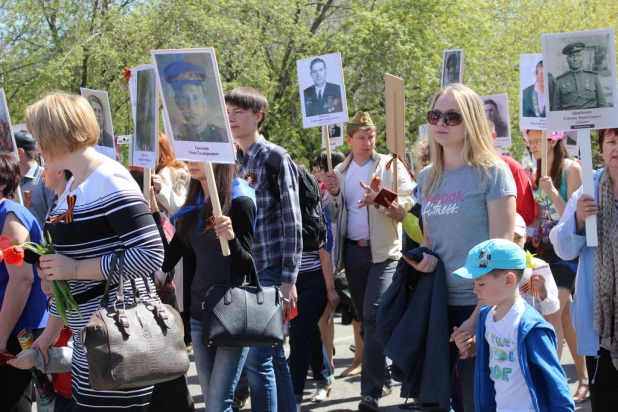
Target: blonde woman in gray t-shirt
(468,196)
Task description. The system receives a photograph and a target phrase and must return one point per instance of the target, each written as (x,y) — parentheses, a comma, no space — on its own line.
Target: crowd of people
(464,288)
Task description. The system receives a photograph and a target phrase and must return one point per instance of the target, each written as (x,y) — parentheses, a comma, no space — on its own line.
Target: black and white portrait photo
(571,142)
(143,87)
(322,90)
(193,99)
(99,101)
(497,110)
(335,135)
(580,72)
(7,141)
(452,67)
(534,96)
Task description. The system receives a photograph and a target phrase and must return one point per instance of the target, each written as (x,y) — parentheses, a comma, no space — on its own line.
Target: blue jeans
(312,300)
(224,363)
(267,368)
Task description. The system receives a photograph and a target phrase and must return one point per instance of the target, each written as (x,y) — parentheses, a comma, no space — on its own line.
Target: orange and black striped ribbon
(27,198)
(68,214)
(211,224)
(126,74)
(390,162)
(529,287)
(375,184)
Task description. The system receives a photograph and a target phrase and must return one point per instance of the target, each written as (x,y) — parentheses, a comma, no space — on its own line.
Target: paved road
(345,394)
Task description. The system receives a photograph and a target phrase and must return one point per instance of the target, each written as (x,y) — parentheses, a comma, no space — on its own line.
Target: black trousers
(603,378)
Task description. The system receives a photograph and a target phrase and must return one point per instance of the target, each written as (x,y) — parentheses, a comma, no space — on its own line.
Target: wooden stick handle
(147,184)
(18,197)
(216,206)
(395,173)
(326,138)
(543,170)
(585,147)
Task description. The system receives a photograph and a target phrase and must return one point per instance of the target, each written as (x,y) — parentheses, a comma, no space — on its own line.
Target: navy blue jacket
(412,325)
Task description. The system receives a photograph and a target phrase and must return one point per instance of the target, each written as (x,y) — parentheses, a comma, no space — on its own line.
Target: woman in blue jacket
(595,304)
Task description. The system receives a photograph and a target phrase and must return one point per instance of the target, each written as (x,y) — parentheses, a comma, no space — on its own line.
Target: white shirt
(319,91)
(358,218)
(540,97)
(512,393)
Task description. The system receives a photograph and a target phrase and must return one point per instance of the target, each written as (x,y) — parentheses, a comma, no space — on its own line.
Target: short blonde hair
(62,123)
(478,150)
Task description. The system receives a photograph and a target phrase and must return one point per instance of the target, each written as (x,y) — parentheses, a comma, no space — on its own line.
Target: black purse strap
(253,281)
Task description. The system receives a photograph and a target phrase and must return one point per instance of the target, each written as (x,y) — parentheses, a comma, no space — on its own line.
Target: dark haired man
(105,139)
(534,97)
(37,198)
(277,243)
(493,114)
(322,97)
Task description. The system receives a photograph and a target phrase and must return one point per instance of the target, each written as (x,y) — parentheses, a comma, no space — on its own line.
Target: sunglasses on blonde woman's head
(450,118)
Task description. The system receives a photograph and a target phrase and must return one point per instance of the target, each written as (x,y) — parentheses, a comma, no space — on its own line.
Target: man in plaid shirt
(277,243)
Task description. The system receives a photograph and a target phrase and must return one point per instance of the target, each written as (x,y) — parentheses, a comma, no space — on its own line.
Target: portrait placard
(322,90)
(395,106)
(580,72)
(452,67)
(533,96)
(145,103)
(571,141)
(497,110)
(193,100)
(7,139)
(335,135)
(99,101)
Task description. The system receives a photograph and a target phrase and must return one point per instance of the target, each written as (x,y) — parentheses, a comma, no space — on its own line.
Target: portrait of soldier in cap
(105,137)
(191,97)
(323,97)
(146,111)
(577,88)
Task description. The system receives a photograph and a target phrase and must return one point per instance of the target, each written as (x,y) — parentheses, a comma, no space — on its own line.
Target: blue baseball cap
(489,255)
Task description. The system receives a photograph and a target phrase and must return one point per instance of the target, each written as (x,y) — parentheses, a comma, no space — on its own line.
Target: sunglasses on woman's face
(450,118)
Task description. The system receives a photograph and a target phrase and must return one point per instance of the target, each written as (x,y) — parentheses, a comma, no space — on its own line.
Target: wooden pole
(216,206)
(395,173)
(147,184)
(585,148)
(543,170)
(326,138)
(18,197)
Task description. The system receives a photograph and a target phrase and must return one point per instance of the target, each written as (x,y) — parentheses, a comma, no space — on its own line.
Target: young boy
(517,367)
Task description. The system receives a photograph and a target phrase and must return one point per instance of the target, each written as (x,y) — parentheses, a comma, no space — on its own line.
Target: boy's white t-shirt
(358,218)
(512,393)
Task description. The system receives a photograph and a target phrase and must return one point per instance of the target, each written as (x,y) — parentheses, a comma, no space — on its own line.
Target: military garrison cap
(361,119)
(181,72)
(572,48)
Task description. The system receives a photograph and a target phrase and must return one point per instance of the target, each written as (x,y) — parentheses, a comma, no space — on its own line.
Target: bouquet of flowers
(13,253)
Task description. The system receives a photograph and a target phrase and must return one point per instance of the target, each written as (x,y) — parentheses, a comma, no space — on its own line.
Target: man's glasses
(450,118)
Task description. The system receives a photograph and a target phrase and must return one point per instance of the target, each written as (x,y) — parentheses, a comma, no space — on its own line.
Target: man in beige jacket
(368,242)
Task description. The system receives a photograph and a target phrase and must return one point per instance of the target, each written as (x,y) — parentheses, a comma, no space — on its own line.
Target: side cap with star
(361,119)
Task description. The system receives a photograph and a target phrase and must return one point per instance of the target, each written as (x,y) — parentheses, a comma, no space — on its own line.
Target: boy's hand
(538,282)
(24,360)
(466,344)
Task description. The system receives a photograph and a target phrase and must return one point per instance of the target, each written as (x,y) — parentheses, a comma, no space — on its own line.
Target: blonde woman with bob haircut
(468,196)
(101,212)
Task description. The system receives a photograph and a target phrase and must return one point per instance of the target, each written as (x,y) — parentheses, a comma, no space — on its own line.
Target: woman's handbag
(136,345)
(239,316)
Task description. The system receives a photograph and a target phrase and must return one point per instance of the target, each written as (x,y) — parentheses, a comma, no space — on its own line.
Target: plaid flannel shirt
(278,239)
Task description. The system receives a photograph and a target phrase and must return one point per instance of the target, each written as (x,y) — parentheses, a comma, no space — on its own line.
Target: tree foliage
(67,44)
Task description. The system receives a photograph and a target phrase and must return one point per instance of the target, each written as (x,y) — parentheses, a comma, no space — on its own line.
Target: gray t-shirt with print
(456,218)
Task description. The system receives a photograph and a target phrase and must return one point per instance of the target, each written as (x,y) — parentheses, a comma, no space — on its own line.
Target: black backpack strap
(273,166)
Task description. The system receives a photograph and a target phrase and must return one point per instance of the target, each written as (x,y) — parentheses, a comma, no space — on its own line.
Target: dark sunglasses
(450,118)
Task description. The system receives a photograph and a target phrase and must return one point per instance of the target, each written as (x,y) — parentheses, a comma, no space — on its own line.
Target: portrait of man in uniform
(323,97)
(577,88)
(191,98)
(451,67)
(334,131)
(493,113)
(6,137)
(534,97)
(105,137)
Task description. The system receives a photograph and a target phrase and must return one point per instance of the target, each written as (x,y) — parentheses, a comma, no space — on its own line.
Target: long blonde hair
(478,150)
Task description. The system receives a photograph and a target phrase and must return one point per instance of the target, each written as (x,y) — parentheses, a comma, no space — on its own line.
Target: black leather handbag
(239,316)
